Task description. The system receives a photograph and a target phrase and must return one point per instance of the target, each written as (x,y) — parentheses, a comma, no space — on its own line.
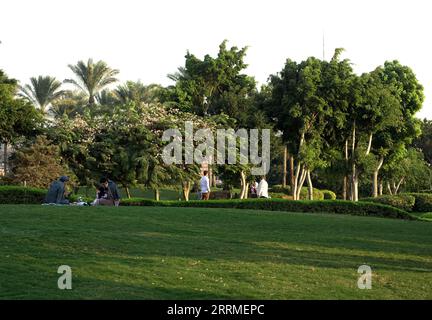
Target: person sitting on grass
(57,192)
(107,194)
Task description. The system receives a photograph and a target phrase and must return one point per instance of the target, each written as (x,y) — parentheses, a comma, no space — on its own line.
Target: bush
(278,189)
(75,197)
(329,195)
(423,202)
(403,201)
(21,195)
(328,206)
(27,195)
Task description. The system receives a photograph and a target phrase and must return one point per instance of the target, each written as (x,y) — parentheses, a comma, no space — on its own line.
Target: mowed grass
(198,253)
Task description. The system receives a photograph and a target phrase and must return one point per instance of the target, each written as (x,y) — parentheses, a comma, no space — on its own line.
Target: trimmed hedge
(402,201)
(329,206)
(27,195)
(279,195)
(278,189)
(423,202)
(21,195)
(329,195)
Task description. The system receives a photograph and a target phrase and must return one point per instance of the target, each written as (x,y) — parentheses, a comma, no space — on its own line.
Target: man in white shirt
(262,191)
(205,186)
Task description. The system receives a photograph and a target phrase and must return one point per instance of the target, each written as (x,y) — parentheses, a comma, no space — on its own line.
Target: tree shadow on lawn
(137,249)
(86,288)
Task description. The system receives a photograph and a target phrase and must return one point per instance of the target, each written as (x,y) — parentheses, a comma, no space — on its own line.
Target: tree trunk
(295,185)
(246,192)
(355,187)
(291,171)
(396,190)
(212,179)
(5,158)
(380,187)
(186,190)
(284,177)
(91,99)
(300,183)
(375,178)
(243,184)
(389,188)
(310,187)
(156,194)
(345,179)
(354,173)
(127,192)
(345,187)
(369,145)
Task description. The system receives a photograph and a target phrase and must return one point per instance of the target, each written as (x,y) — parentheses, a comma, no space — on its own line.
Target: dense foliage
(350,135)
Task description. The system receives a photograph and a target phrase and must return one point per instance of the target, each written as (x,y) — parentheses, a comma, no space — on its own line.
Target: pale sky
(146,40)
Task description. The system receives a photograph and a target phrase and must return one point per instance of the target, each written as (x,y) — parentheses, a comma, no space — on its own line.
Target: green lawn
(193,253)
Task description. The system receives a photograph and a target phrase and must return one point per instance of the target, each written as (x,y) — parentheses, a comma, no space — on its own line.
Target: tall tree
(42,92)
(122,148)
(375,110)
(403,127)
(18,118)
(300,111)
(92,77)
(424,141)
(214,85)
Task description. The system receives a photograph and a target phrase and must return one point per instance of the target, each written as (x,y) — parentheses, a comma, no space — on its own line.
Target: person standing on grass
(57,192)
(107,194)
(205,186)
(262,191)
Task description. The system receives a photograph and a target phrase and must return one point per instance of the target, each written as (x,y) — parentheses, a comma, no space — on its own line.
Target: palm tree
(137,92)
(92,77)
(70,104)
(42,91)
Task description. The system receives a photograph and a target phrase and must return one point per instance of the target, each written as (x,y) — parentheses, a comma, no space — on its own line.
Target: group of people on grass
(109,195)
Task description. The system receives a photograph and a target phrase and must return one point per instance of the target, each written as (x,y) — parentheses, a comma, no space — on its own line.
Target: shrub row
(417,202)
(423,202)
(21,195)
(330,206)
(402,201)
(27,195)
(317,194)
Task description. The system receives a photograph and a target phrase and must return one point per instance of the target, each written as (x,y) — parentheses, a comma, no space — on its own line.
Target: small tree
(37,164)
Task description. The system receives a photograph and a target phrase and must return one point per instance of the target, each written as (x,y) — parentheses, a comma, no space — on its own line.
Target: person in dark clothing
(57,192)
(107,194)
